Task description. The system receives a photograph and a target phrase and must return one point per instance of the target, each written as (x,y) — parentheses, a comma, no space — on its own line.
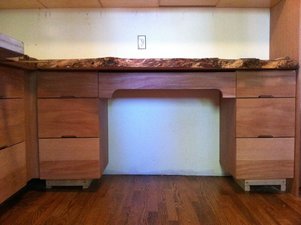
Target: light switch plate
(141,41)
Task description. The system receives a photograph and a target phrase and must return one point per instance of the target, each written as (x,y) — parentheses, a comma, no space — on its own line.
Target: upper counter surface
(159,64)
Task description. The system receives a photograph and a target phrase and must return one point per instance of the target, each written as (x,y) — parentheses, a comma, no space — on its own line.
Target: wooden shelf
(40,4)
(10,47)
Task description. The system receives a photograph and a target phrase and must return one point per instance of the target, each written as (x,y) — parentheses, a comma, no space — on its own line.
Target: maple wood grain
(264,158)
(67,84)
(70,158)
(68,117)
(273,117)
(12,122)
(12,170)
(266,83)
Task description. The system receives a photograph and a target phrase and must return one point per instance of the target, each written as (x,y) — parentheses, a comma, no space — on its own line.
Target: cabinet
(68,126)
(262,121)
(12,132)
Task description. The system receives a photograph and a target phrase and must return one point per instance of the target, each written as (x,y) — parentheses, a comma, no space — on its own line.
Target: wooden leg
(246,184)
(65,183)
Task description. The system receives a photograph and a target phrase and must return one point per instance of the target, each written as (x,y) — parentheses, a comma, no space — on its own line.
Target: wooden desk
(66,117)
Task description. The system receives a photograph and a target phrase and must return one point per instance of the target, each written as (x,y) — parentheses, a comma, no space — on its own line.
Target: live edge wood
(154,64)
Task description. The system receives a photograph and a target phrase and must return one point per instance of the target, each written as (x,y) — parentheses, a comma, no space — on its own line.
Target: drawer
(264,158)
(68,117)
(69,158)
(265,117)
(12,128)
(266,83)
(11,83)
(12,170)
(67,84)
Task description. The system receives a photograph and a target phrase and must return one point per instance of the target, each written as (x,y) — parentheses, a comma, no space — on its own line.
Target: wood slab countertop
(154,64)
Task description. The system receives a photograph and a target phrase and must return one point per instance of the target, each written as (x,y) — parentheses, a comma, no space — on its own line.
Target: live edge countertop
(153,64)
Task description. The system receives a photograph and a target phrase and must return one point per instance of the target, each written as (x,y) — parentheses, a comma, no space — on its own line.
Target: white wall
(150,135)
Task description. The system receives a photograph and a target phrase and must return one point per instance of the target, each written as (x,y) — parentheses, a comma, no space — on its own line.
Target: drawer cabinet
(69,139)
(67,84)
(68,118)
(12,128)
(71,145)
(265,125)
(70,158)
(12,170)
(261,123)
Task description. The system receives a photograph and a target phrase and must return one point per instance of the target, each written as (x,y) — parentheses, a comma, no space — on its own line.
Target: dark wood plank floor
(164,200)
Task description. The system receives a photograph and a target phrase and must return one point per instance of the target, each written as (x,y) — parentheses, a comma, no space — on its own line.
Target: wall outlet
(141,41)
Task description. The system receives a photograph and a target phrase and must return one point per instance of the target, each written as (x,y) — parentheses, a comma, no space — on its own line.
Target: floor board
(153,200)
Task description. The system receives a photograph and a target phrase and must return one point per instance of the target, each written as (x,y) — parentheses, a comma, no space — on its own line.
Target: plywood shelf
(40,4)
(10,47)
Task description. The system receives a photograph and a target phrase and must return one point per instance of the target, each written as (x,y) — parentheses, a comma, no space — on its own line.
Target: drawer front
(67,84)
(266,83)
(11,83)
(12,130)
(12,170)
(69,158)
(264,158)
(68,118)
(265,117)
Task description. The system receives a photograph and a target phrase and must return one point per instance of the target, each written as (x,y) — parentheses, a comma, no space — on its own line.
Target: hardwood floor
(164,200)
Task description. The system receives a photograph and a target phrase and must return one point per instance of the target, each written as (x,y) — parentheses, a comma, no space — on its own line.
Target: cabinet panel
(247,3)
(266,83)
(265,117)
(129,4)
(12,128)
(11,83)
(68,118)
(265,158)
(67,84)
(203,3)
(71,4)
(12,170)
(70,158)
